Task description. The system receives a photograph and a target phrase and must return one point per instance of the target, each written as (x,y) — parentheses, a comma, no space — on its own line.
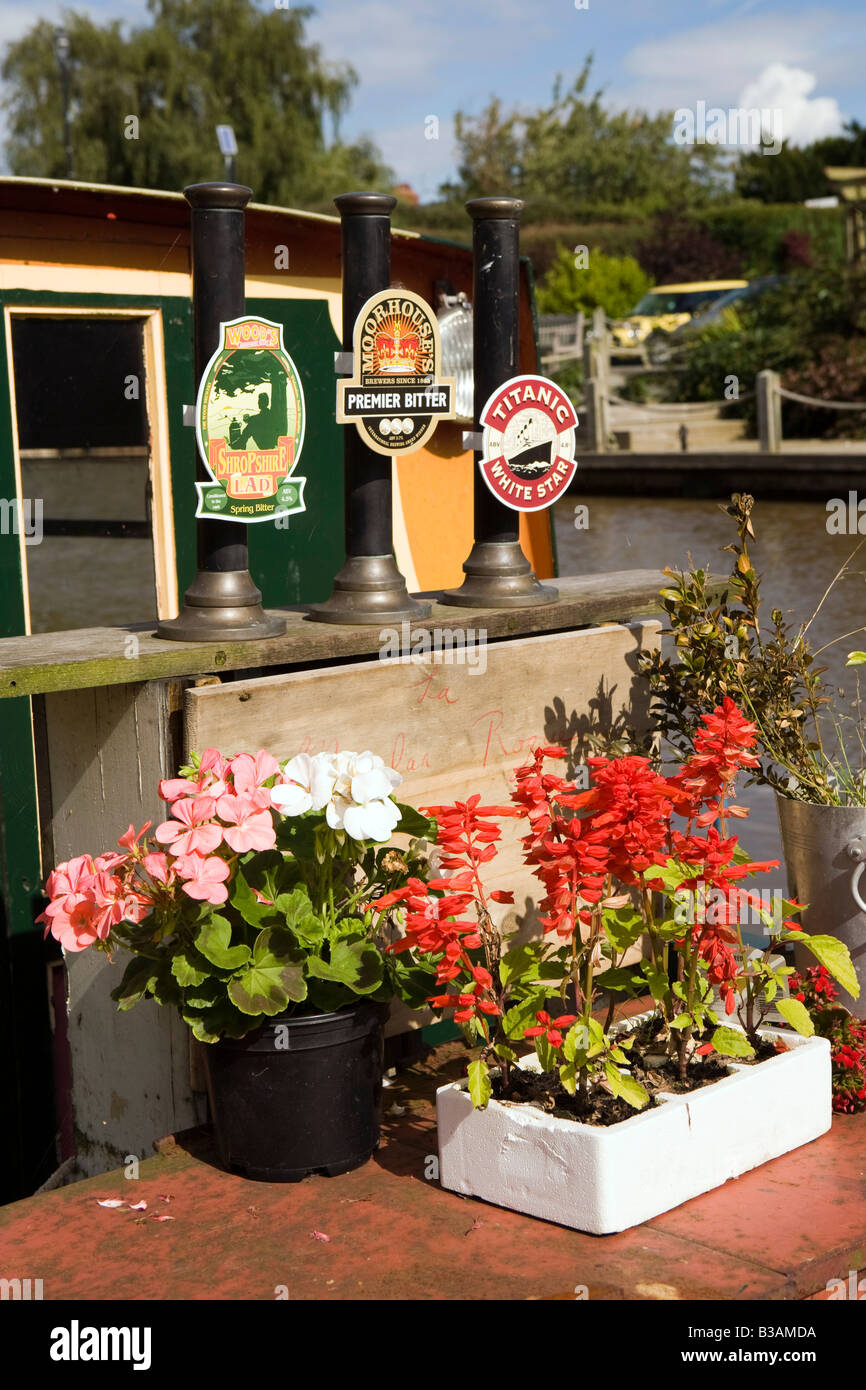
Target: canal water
(794,554)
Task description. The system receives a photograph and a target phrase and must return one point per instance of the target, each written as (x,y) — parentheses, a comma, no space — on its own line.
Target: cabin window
(83,406)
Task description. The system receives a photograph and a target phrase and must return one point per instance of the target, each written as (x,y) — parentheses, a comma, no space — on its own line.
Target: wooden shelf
(89,657)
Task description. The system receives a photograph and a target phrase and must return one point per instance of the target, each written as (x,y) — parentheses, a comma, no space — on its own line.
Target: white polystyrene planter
(603,1179)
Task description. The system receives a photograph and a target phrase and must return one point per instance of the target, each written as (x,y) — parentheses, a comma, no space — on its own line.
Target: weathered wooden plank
(74,660)
(106,750)
(448,728)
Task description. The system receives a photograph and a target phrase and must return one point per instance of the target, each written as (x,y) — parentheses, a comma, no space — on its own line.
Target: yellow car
(667,307)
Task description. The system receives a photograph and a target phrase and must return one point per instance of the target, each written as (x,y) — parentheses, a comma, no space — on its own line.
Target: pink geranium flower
(191,831)
(205,878)
(73,921)
(130,839)
(111,860)
(210,781)
(251,772)
(157,867)
(251,826)
(71,877)
(114,901)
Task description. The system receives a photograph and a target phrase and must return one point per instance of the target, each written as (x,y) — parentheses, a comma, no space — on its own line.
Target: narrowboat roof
(74,196)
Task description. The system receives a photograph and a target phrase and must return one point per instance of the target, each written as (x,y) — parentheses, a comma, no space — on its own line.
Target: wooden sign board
(450,729)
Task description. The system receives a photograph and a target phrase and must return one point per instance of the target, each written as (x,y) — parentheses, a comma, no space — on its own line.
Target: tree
(613,283)
(575,152)
(793,175)
(145,102)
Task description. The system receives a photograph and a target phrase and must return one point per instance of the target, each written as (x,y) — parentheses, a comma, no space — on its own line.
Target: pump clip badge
(395,398)
(250,421)
(528,443)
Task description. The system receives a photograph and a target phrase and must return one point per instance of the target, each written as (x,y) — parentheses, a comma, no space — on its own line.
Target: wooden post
(105,750)
(769,411)
(596,409)
(579,334)
(602,342)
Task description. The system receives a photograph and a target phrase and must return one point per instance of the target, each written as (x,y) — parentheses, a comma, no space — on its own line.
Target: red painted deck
(780,1232)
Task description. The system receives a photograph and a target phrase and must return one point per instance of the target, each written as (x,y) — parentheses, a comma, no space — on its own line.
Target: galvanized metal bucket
(825,858)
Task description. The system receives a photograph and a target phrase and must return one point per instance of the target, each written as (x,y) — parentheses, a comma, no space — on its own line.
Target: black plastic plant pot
(299,1095)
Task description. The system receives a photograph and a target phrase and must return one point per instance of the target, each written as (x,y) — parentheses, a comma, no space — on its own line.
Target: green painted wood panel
(292,565)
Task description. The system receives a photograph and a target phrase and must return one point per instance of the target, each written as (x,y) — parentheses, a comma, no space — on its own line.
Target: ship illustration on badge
(395,398)
(250,422)
(528,443)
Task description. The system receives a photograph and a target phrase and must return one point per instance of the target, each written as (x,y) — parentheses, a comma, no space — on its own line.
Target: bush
(569,376)
(613,283)
(812,330)
(836,373)
(678,249)
(757,231)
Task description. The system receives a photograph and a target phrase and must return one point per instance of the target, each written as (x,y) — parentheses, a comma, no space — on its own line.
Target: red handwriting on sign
(400,760)
(424,686)
(313,745)
(497,742)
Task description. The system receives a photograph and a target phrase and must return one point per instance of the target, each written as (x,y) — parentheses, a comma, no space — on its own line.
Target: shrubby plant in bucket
(253,901)
(810,735)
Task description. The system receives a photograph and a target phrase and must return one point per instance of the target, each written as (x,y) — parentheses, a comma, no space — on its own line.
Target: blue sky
(417,60)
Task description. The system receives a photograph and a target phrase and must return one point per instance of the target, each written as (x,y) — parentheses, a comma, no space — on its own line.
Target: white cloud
(714,62)
(804,118)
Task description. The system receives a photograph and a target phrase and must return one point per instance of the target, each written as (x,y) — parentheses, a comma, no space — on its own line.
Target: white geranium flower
(360,802)
(307,785)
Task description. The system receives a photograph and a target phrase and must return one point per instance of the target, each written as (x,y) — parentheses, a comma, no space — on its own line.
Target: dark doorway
(84,449)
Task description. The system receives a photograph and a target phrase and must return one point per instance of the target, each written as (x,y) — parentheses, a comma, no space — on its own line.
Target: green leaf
(657,982)
(189,968)
(521,1015)
(413,983)
(681,1021)
(138,978)
(797,1015)
(273,979)
(672,874)
(632,1092)
(244,901)
(835,957)
(856,659)
(624,1085)
(297,835)
(545,1053)
(214,942)
(221,1021)
(568,1073)
(205,1031)
(618,978)
(506,1053)
(413,823)
(612,1074)
(204,996)
(575,1042)
(163,986)
(270,871)
(520,963)
(480,1088)
(729,1042)
(297,911)
(354,962)
(327,998)
(623,927)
